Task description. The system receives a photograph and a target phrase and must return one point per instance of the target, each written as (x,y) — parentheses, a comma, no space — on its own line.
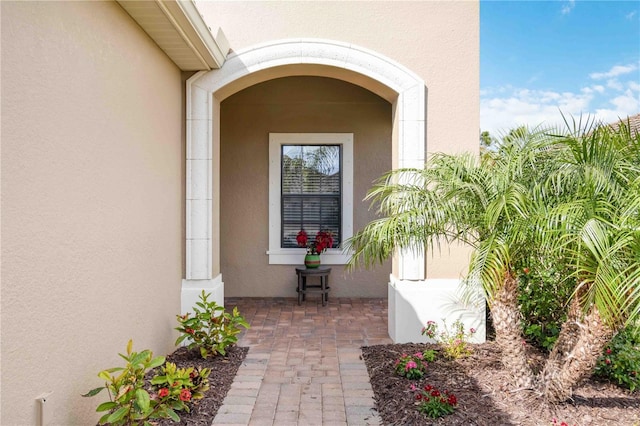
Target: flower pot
(312,260)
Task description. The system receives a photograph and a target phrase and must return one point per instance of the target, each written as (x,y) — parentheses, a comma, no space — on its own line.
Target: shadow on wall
(413,303)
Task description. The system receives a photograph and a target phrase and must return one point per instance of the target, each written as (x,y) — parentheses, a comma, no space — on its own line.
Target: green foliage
(210,329)
(129,402)
(543,295)
(178,386)
(620,361)
(433,403)
(569,197)
(454,342)
(414,366)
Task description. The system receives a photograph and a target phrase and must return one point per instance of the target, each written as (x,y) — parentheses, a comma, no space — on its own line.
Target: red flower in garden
(607,361)
(432,402)
(163,392)
(608,351)
(185,395)
(526,270)
(189,330)
(453,400)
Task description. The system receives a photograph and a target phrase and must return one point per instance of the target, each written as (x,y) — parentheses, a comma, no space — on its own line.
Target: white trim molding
(292,256)
(180,31)
(281,58)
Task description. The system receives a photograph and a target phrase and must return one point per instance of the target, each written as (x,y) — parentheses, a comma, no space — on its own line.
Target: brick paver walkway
(304,365)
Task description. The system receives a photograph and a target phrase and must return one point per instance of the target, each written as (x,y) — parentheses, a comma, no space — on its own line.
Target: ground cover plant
(542,197)
(454,342)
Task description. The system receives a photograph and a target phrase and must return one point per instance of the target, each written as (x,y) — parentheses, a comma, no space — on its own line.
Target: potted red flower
(322,241)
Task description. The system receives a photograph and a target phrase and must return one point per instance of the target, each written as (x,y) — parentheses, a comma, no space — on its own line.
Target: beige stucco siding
(293,105)
(437,40)
(92,197)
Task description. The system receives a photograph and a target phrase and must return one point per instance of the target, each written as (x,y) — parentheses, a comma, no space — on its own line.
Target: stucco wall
(437,40)
(293,105)
(92,201)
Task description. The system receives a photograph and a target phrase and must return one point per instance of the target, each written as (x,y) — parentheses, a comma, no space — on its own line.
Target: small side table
(323,288)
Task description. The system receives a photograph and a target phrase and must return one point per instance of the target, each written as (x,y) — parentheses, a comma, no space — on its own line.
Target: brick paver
(304,365)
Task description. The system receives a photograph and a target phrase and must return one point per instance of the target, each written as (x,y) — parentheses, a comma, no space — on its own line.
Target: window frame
(294,256)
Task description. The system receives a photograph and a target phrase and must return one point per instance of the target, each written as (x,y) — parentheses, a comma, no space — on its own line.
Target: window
(310,188)
(311,183)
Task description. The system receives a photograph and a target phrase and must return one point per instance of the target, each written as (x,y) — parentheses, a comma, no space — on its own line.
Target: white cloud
(568,7)
(530,107)
(506,107)
(614,71)
(630,15)
(593,89)
(615,84)
(628,101)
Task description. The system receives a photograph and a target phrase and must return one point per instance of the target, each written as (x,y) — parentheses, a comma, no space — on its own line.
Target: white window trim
(294,256)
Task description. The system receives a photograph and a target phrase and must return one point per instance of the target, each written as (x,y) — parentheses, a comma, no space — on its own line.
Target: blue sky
(538,58)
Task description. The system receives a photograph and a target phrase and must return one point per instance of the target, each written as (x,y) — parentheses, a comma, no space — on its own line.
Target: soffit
(180,31)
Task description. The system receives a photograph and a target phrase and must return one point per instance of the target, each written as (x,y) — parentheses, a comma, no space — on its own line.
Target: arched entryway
(205,90)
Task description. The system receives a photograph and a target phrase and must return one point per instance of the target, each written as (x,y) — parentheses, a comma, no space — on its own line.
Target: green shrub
(543,294)
(176,387)
(129,401)
(620,361)
(210,329)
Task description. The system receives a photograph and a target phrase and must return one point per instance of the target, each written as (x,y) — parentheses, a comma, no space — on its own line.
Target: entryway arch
(325,58)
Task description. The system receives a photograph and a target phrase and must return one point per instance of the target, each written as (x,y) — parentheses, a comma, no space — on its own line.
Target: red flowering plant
(138,392)
(177,387)
(433,403)
(323,241)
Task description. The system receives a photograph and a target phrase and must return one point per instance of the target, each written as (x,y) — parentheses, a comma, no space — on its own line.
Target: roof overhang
(180,31)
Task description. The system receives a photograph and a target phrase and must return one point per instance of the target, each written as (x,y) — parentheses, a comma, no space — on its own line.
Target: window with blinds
(311,197)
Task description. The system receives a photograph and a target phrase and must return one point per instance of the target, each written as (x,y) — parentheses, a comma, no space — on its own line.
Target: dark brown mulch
(223,371)
(484,398)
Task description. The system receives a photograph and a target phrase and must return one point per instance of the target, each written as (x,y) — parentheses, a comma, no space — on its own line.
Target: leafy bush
(620,361)
(129,401)
(454,342)
(543,295)
(178,386)
(413,366)
(211,328)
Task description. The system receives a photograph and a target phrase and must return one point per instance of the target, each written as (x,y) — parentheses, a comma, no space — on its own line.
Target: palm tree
(596,227)
(478,201)
(538,193)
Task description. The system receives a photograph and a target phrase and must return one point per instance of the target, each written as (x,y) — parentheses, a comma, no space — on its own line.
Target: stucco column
(201,221)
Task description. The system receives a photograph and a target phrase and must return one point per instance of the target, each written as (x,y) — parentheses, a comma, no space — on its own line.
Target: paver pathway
(304,365)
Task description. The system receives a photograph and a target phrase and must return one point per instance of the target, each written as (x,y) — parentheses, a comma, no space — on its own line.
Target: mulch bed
(484,397)
(479,383)
(223,371)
